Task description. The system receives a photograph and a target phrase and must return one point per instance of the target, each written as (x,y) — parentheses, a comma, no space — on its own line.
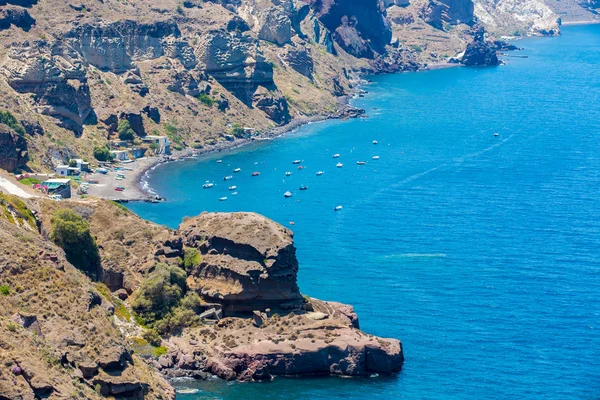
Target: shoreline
(136,185)
(575,23)
(345,111)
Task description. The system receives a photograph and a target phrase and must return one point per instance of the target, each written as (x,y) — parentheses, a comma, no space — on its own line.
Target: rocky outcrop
(56,77)
(269,20)
(17,17)
(13,149)
(453,12)
(248,263)
(360,26)
(115,47)
(324,341)
(300,59)
(480,52)
(236,62)
(532,17)
(273,104)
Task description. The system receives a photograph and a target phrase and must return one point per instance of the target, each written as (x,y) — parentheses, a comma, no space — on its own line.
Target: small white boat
(223,199)
(361,162)
(375,157)
(234,194)
(319,173)
(256,163)
(288,173)
(287,194)
(232,187)
(374,141)
(208,185)
(336,156)
(229,177)
(337,208)
(495,134)
(219,161)
(339,165)
(296,162)
(237,170)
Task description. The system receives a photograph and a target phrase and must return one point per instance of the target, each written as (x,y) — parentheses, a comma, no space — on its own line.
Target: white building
(163,146)
(120,155)
(65,170)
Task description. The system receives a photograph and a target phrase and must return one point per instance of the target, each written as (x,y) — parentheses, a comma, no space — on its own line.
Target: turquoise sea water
(481,253)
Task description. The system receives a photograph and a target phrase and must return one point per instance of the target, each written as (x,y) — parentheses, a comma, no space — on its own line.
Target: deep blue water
(481,253)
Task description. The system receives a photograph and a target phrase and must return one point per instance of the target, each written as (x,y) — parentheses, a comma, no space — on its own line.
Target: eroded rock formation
(248,262)
(13,149)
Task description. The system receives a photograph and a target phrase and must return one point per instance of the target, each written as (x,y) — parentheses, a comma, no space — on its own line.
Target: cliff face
(55,328)
(532,17)
(255,63)
(360,27)
(248,263)
(253,321)
(13,149)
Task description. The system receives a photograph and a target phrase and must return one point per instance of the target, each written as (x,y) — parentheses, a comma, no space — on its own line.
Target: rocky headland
(100,303)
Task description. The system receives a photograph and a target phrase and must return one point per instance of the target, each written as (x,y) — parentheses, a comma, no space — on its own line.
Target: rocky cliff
(66,331)
(203,67)
(55,327)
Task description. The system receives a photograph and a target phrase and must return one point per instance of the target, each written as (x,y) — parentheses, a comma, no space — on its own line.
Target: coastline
(136,185)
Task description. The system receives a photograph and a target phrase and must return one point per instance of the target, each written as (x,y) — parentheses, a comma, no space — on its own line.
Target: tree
(8,119)
(72,233)
(125,131)
(102,154)
(237,130)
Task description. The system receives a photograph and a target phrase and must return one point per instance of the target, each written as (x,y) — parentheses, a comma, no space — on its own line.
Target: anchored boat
(232,187)
(237,170)
(255,173)
(336,156)
(223,199)
(339,165)
(375,157)
(296,162)
(288,173)
(337,208)
(303,187)
(287,194)
(208,185)
(319,173)
(228,178)
(361,162)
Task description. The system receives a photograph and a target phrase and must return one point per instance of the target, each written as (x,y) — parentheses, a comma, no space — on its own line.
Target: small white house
(82,165)
(163,146)
(65,170)
(120,155)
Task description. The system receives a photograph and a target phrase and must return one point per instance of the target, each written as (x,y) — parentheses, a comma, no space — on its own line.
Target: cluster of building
(121,152)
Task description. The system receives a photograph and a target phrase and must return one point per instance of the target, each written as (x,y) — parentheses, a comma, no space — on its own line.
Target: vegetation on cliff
(71,232)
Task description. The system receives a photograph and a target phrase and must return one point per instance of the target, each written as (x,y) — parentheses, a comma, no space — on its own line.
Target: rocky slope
(64,332)
(56,333)
(195,70)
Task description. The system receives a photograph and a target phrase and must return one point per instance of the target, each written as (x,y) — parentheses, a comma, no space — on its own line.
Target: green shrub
(4,290)
(159,292)
(7,118)
(72,233)
(237,130)
(191,258)
(206,99)
(102,154)
(160,351)
(125,131)
(152,337)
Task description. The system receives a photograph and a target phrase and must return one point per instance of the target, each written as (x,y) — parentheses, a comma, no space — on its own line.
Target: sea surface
(480,252)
